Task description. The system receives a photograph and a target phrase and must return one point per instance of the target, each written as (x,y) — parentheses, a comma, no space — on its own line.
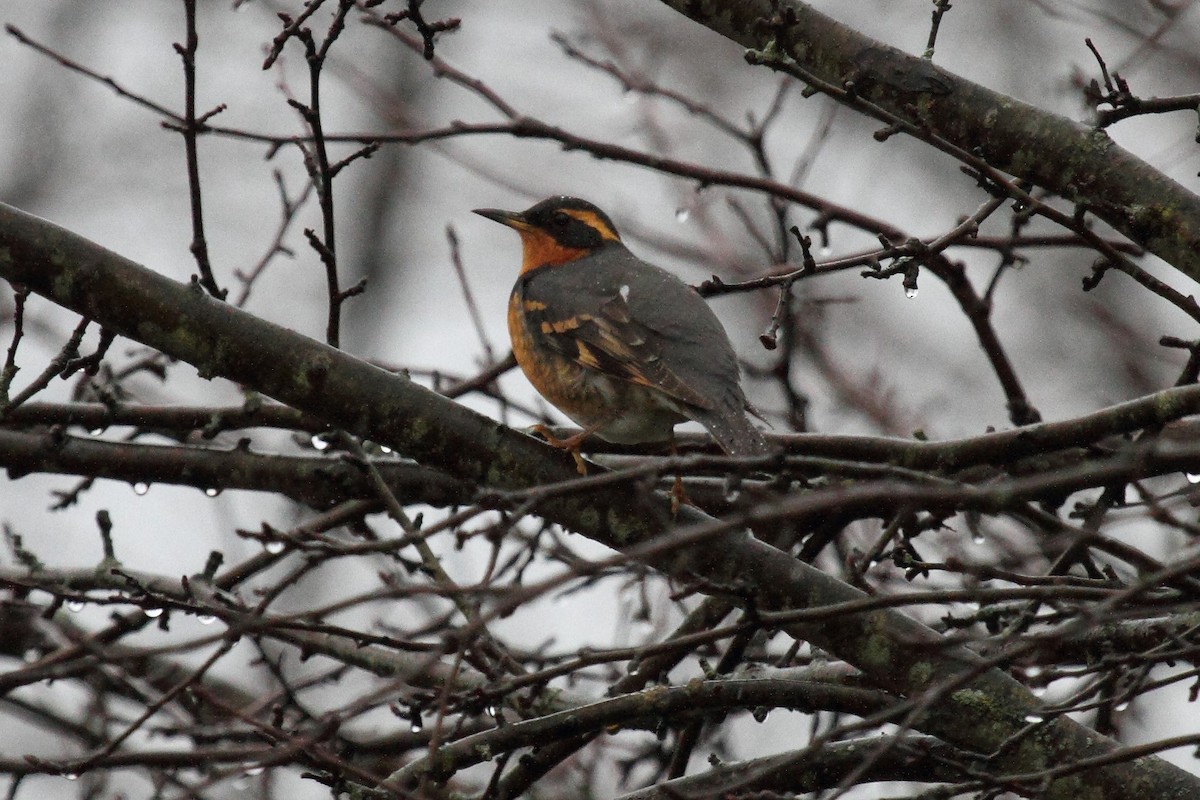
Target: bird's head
(557,230)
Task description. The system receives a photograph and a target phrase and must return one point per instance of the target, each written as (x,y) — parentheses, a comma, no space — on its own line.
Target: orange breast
(557,378)
(618,410)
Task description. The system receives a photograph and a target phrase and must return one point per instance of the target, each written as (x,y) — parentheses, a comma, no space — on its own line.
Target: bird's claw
(570,444)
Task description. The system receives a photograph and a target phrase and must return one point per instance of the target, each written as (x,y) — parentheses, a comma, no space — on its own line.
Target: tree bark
(1079,163)
(974,708)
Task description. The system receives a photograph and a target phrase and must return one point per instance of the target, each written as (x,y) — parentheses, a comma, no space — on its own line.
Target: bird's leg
(678,495)
(570,444)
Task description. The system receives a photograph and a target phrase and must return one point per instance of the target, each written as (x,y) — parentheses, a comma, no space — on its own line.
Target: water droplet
(31,655)
(274,547)
(212,491)
(71,776)
(911,292)
(1124,706)
(826,251)
(1192,477)
(1039,691)
(75,605)
(1033,671)
(490,710)
(96,431)
(387,451)
(1034,719)
(319,443)
(152,613)
(978,538)
(417,725)
(140,488)
(255,770)
(682,214)
(760,713)
(206,619)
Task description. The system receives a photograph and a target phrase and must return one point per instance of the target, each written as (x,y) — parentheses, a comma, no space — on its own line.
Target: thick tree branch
(317,481)
(646,708)
(984,711)
(1079,163)
(917,758)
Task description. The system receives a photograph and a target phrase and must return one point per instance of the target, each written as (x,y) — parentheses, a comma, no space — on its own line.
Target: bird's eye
(560,220)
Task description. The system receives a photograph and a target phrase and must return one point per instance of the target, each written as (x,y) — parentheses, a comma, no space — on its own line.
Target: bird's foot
(678,495)
(570,444)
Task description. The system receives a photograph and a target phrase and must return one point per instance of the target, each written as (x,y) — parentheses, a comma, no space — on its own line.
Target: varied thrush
(622,347)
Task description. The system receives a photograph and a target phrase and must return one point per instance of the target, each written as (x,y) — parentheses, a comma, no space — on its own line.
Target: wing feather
(594,325)
(632,321)
(619,350)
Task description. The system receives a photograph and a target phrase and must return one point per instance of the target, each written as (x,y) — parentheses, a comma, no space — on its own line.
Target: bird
(622,347)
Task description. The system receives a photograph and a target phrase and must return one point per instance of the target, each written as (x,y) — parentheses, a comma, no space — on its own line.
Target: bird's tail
(733,431)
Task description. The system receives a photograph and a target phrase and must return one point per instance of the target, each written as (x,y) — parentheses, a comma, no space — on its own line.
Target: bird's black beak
(513,219)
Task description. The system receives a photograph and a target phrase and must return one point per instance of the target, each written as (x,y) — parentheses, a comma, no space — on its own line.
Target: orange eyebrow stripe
(595,222)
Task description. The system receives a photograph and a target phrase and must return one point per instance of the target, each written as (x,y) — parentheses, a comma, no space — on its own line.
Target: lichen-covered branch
(956,695)
(1079,163)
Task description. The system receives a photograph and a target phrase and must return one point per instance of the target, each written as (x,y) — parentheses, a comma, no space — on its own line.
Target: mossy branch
(1077,162)
(897,653)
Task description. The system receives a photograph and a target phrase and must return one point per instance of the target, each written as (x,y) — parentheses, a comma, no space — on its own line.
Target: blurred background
(872,360)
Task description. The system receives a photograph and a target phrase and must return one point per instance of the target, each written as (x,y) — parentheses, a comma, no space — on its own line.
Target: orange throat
(541,250)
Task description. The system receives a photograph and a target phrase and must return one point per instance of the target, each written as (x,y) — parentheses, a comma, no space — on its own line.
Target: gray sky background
(75,153)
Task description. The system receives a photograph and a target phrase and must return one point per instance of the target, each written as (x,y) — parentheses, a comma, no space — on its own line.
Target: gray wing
(631,320)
